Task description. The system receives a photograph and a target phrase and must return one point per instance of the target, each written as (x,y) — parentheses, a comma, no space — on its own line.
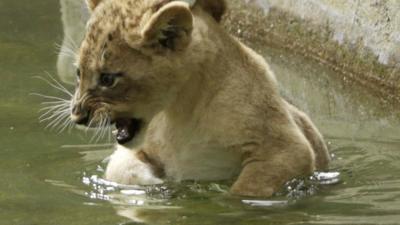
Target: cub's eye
(108,79)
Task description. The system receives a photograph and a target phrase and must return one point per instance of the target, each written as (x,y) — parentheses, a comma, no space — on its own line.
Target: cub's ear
(170,27)
(216,8)
(92,4)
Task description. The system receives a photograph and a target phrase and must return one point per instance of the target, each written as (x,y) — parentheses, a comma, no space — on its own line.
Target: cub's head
(134,60)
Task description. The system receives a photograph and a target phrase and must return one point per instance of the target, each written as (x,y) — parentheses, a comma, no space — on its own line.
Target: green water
(46,178)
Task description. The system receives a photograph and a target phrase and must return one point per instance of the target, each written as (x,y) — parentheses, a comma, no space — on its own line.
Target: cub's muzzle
(79,115)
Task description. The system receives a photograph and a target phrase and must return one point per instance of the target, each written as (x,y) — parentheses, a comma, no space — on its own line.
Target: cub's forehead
(124,17)
(121,14)
(113,20)
(112,16)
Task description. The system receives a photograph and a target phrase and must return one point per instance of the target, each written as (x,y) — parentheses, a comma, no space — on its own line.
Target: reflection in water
(161,203)
(363,133)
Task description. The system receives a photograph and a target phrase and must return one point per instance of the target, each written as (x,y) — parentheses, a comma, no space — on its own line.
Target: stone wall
(359,38)
(376,23)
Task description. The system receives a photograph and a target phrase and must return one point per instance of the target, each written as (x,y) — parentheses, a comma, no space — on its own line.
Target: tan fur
(210,104)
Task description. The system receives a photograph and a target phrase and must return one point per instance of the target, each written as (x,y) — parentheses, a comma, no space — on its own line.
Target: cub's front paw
(126,168)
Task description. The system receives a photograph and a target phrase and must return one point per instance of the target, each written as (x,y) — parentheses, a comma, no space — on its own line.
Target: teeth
(115,132)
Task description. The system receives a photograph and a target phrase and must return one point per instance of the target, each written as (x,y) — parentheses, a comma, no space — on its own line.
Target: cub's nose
(79,115)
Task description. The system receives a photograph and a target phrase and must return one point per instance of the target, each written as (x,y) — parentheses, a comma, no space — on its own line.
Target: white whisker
(53,113)
(93,146)
(67,49)
(53,107)
(53,85)
(70,126)
(57,83)
(64,125)
(59,122)
(71,42)
(104,127)
(99,128)
(56,117)
(67,53)
(56,110)
(96,131)
(54,123)
(46,96)
(89,125)
(56,102)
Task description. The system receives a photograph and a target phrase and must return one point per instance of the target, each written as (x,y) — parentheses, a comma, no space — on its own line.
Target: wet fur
(211,105)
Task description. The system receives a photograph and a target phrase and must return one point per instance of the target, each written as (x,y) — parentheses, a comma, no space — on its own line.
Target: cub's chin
(130,131)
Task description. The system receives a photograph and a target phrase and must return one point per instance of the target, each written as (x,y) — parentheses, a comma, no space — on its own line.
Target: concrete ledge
(360,39)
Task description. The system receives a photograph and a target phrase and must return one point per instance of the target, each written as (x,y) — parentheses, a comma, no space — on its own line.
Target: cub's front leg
(131,167)
(265,171)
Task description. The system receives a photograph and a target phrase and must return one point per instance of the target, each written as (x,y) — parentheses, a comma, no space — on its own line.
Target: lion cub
(189,101)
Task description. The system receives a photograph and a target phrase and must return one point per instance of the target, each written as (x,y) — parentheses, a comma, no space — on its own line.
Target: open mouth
(127,129)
